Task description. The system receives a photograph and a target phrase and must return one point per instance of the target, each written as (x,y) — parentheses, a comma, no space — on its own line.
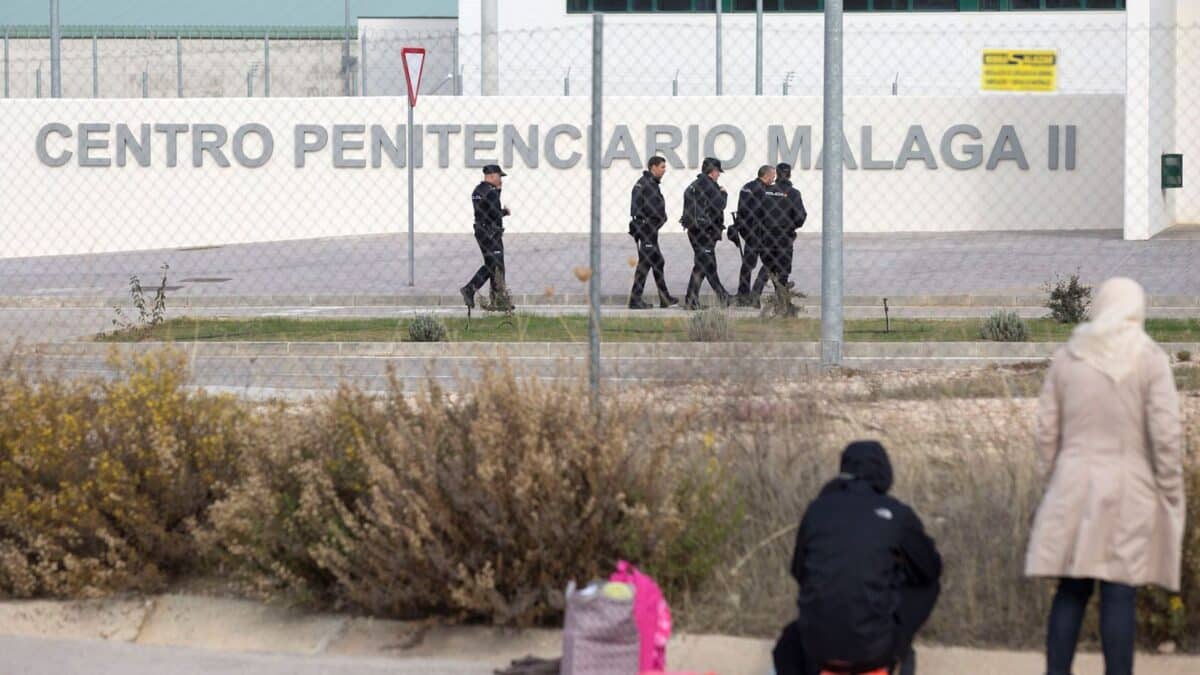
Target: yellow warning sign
(1020,70)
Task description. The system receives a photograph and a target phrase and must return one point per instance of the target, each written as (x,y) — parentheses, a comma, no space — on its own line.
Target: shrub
(482,505)
(1069,299)
(710,325)
(1004,327)
(102,483)
(1184,356)
(427,328)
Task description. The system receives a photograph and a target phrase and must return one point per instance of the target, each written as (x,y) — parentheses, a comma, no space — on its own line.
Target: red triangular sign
(414,65)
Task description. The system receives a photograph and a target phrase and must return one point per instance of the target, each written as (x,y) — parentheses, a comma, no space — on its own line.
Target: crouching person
(867,571)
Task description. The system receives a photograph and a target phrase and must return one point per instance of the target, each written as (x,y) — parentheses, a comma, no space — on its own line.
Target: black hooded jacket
(856,549)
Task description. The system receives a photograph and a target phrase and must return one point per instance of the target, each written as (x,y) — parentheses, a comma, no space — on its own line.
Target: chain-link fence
(276,206)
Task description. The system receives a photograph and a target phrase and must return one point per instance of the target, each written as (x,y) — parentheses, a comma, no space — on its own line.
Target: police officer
(489,233)
(648,213)
(704,219)
(783,214)
(748,225)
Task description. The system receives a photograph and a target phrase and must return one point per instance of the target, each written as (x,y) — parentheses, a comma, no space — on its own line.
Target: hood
(867,461)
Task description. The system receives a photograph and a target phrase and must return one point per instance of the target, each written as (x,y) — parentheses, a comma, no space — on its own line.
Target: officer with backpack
(704,219)
(868,575)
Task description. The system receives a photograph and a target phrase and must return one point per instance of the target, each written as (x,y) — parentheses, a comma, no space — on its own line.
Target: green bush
(1183,356)
(427,328)
(1069,299)
(103,482)
(710,325)
(1004,327)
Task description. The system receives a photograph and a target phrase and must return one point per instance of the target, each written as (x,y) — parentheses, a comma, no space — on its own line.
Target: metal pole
(95,68)
(38,92)
(346,54)
(567,83)
(831,192)
(250,82)
(457,72)
(146,82)
(675,84)
(5,63)
(362,60)
(490,54)
(179,66)
(55,51)
(412,255)
(719,85)
(758,49)
(267,65)
(594,162)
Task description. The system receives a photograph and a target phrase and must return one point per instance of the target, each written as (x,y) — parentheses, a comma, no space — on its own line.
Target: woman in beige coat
(1109,434)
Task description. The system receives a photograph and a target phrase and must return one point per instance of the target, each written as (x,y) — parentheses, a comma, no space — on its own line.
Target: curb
(530,299)
(572,350)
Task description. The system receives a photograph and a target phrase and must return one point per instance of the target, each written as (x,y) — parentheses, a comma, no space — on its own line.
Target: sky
(216,12)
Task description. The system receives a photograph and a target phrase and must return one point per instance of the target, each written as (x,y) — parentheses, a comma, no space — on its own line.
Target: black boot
(636,302)
(666,300)
(691,303)
(468,296)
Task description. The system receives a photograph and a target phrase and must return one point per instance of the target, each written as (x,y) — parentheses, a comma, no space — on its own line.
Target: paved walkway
(890,265)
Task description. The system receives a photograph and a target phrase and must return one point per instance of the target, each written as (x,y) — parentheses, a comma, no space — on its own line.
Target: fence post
(758,49)
(179,66)
(719,74)
(95,67)
(5,63)
(38,74)
(675,84)
(55,51)
(362,59)
(267,65)
(146,82)
(831,192)
(490,56)
(594,150)
(457,74)
(346,52)
(567,83)
(250,82)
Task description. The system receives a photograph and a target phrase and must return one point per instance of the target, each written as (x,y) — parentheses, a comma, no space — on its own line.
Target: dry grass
(482,504)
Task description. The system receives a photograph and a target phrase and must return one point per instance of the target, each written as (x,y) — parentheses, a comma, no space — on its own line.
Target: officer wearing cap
(783,214)
(704,219)
(647,215)
(489,232)
(748,225)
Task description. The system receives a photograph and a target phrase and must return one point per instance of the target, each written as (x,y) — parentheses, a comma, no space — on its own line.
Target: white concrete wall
(933,53)
(1149,116)
(385,37)
(76,209)
(1187,103)
(210,67)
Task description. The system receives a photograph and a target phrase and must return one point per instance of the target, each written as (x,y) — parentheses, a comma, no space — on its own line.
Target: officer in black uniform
(748,225)
(704,219)
(489,234)
(783,214)
(648,213)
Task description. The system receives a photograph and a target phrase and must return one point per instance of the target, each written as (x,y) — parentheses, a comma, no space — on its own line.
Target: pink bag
(651,613)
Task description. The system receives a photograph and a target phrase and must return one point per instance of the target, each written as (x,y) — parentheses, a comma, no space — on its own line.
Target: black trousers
(491,245)
(751,252)
(704,264)
(916,606)
(1118,606)
(650,257)
(777,260)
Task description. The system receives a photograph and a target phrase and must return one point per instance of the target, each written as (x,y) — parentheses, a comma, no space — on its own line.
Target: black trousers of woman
(1117,614)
